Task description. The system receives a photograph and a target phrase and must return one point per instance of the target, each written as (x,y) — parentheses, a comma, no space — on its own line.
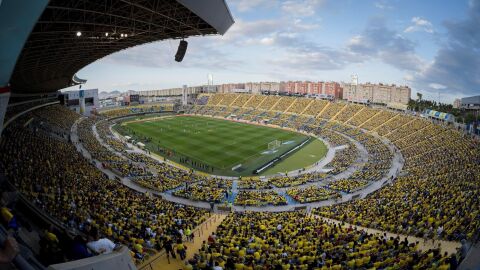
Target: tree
(469,118)
(411,104)
(419,96)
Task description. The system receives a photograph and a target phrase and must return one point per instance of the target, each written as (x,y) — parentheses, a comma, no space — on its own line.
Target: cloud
(244,30)
(247,5)
(408,77)
(304,8)
(383,5)
(319,59)
(302,54)
(419,24)
(200,54)
(437,86)
(378,41)
(457,63)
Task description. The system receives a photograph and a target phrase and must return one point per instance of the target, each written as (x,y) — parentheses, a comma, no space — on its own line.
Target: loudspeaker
(182,49)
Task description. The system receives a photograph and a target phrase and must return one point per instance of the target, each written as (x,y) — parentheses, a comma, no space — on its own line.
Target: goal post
(274,145)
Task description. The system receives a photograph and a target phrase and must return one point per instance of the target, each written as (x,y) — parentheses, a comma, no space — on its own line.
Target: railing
(199,230)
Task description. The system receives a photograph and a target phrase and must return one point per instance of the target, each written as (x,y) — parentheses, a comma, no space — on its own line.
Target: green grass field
(307,155)
(213,145)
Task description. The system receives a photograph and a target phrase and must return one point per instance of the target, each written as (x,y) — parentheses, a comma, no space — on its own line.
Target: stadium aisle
(445,246)
(231,198)
(201,235)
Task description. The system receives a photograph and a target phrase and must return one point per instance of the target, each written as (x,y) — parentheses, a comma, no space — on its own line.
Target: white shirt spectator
(101,246)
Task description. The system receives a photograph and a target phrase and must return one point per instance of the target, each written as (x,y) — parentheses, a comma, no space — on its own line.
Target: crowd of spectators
(253,183)
(312,194)
(59,181)
(290,181)
(295,240)
(439,195)
(283,104)
(214,190)
(347,185)
(202,193)
(300,105)
(259,198)
(332,109)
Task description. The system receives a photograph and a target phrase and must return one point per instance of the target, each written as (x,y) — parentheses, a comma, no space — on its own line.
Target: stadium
(227,180)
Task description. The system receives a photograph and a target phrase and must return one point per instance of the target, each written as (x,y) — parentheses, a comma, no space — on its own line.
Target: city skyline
(433,48)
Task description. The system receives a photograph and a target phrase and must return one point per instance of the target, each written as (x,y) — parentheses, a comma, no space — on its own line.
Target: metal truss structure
(71,34)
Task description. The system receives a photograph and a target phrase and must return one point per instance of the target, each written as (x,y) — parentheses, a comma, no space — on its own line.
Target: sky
(433,46)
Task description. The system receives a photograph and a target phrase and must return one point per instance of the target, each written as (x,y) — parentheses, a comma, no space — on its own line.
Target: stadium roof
(71,34)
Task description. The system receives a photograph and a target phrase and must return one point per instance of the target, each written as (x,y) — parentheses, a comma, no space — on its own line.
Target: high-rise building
(376,93)
(457,103)
(306,87)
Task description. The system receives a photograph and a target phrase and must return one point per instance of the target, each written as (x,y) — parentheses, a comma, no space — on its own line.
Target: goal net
(274,145)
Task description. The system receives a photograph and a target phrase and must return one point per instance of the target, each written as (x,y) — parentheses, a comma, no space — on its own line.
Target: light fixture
(121,35)
(79,33)
(106,34)
(126,35)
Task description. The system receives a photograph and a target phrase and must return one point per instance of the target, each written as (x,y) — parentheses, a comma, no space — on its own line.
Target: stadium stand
(435,196)
(331,110)
(259,198)
(47,170)
(295,240)
(312,194)
(299,105)
(315,107)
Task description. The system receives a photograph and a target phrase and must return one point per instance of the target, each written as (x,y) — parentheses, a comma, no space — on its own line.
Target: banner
(439,115)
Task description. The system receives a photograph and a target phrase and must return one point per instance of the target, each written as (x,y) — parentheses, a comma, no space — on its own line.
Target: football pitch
(212,145)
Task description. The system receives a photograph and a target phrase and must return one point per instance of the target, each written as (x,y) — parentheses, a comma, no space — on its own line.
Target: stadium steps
(275,104)
(354,115)
(339,112)
(366,121)
(201,234)
(413,119)
(308,105)
(260,104)
(415,144)
(324,108)
(246,102)
(386,122)
(291,104)
(233,101)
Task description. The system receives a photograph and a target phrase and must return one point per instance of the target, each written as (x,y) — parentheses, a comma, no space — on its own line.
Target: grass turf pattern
(220,144)
(306,156)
